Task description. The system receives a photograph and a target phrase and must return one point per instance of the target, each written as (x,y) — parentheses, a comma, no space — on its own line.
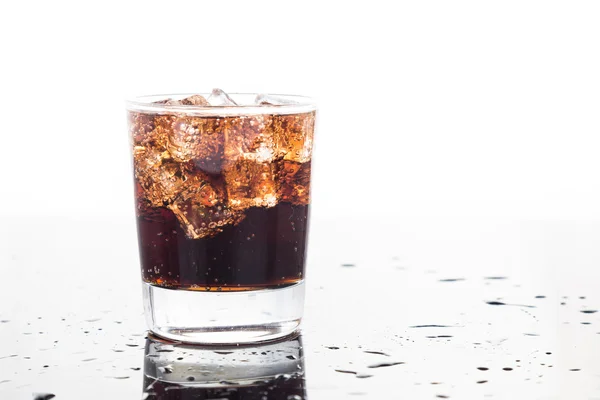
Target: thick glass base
(223,317)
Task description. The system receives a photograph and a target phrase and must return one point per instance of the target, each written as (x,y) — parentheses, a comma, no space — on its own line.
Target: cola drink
(222,201)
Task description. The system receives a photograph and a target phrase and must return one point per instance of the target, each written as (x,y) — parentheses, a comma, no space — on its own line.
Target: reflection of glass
(176,372)
(222,197)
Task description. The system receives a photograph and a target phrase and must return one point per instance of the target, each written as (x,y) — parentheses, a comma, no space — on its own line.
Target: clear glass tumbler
(222,202)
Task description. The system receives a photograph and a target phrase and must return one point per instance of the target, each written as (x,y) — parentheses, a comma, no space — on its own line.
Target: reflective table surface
(401,309)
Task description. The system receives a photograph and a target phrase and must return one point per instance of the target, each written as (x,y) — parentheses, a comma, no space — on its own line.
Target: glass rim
(145,104)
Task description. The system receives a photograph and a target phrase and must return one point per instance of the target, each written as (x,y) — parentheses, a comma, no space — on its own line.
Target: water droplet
(431,326)
(43,396)
(385,364)
(377,352)
(291,357)
(167,369)
(190,378)
(344,371)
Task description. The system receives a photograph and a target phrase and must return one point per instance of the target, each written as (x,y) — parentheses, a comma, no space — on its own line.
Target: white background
(450,108)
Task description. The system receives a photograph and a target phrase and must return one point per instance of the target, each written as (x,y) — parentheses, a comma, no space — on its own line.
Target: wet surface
(412,309)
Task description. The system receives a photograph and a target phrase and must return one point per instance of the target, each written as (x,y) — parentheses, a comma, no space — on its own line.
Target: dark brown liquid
(266,249)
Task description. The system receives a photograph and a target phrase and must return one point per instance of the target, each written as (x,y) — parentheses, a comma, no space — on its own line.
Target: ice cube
(195,100)
(199,188)
(150,130)
(293,135)
(140,127)
(160,177)
(248,138)
(220,98)
(200,140)
(250,184)
(199,220)
(164,180)
(294,182)
(272,100)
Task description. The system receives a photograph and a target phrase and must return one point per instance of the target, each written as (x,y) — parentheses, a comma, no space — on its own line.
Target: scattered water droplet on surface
(377,352)
(344,371)
(43,396)
(431,326)
(385,364)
